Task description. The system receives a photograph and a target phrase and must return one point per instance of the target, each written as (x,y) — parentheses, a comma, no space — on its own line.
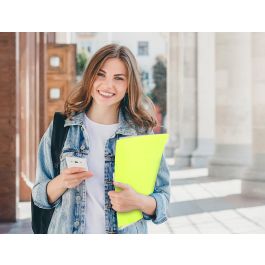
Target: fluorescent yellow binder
(137,161)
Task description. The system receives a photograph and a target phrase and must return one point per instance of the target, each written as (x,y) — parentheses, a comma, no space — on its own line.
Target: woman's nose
(108,82)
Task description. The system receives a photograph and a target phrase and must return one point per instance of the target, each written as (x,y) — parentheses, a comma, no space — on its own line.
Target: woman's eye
(116,78)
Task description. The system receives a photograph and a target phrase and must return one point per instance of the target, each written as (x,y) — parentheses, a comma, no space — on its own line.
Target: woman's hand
(125,200)
(73,176)
(69,178)
(128,199)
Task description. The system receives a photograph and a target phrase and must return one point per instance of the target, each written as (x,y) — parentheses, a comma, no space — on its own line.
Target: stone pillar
(187,102)
(254,182)
(174,79)
(206,100)
(233,105)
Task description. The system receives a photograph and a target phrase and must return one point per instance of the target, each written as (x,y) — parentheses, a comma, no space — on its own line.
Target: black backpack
(41,218)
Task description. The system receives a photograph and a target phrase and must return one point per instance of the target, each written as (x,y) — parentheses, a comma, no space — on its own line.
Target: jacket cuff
(160,215)
(40,198)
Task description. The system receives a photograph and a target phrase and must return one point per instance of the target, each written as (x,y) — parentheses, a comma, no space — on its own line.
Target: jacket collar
(126,126)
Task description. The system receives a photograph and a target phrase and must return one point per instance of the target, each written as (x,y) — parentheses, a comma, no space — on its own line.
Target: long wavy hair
(139,107)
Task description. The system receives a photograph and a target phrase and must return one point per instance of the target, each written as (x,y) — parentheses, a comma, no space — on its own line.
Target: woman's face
(110,84)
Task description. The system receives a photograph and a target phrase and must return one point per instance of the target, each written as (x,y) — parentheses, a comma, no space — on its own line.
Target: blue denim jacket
(69,213)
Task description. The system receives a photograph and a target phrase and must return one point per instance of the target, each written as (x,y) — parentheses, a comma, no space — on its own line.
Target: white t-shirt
(95,214)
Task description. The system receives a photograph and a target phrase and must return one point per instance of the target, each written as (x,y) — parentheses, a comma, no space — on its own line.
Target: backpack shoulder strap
(59,134)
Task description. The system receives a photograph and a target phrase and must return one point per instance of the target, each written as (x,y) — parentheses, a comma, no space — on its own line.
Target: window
(55,61)
(55,93)
(143,48)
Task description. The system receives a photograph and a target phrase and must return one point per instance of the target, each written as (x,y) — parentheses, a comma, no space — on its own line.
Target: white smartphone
(73,161)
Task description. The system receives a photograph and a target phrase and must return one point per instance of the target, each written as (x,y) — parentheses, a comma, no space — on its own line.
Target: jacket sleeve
(44,172)
(161,193)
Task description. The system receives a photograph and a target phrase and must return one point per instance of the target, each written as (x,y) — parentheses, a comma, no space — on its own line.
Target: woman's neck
(103,115)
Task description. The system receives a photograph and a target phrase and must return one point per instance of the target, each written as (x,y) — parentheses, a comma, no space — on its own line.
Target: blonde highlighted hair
(135,104)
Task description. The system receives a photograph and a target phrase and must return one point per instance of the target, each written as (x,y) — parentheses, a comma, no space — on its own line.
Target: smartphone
(73,161)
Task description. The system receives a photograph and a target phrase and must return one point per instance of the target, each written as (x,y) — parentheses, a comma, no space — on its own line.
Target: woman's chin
(106,103)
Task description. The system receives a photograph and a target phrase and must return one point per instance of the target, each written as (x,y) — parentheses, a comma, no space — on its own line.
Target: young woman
(109,104)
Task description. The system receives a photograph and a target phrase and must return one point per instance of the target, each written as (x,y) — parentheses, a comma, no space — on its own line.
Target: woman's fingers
(73,182)
(78,176)
(72,177)
(73,170)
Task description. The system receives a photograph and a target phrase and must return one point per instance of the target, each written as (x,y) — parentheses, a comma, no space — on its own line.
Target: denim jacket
(70,208)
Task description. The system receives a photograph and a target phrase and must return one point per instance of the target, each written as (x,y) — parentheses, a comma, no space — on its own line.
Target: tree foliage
(81,62)
(159,92)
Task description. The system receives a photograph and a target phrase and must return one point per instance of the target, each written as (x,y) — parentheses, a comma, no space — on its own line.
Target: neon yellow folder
(137,161)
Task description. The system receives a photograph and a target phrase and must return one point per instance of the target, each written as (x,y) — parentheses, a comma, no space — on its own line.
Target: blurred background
(209,93)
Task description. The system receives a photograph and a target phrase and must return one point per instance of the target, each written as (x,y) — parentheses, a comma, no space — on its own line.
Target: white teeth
(106,94)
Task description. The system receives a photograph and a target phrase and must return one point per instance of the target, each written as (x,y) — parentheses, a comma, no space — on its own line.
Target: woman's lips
(106,94)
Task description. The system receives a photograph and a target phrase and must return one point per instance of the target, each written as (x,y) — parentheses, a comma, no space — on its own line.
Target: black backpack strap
(59,134)
(41,218)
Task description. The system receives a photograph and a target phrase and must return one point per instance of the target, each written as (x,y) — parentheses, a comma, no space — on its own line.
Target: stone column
(206,100)
(187,102)
(174,78)
(254,182)
(233,105)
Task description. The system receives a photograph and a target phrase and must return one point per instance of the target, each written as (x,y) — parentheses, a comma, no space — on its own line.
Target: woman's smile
(105,94)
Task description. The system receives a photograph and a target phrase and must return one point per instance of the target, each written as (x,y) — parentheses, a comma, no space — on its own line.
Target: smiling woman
(113,67)
(107,105)
(110,85)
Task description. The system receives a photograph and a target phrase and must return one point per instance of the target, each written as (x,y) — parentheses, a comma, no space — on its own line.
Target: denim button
(109,205)
(108,181)
(76,223)
(82,147)
(78,198)
(111,232)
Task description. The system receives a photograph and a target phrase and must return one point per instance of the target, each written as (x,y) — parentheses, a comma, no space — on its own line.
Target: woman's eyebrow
(101,70)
